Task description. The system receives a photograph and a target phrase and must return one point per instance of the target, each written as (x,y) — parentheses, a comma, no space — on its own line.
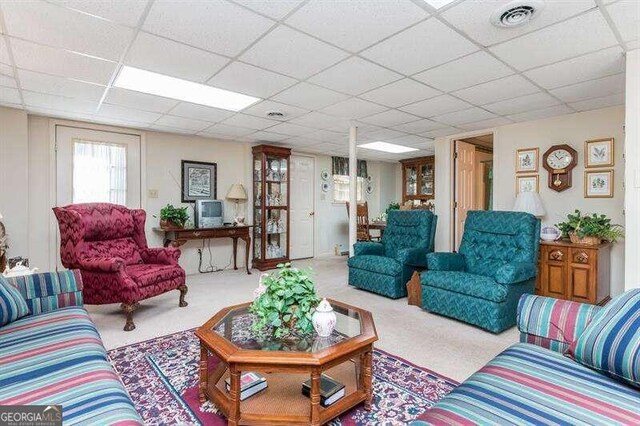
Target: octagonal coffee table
(229,347)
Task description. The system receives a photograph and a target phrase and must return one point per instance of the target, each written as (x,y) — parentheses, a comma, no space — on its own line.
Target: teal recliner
(496,264)
(385,267)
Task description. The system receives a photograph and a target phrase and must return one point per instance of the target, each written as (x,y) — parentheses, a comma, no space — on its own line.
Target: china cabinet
(418,179)
(270,206)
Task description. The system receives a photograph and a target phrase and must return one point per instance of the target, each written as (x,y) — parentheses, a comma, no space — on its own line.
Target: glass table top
(236,327)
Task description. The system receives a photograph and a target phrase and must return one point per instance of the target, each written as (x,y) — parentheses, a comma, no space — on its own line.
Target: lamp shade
(237,192)
(529,202)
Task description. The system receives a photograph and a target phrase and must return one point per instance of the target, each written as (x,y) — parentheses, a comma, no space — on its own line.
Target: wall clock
(559,160)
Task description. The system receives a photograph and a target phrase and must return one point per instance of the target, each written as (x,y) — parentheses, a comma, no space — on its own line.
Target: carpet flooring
(161,376)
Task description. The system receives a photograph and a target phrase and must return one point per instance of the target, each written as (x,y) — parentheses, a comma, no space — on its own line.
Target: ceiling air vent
(275,114)
(516,13)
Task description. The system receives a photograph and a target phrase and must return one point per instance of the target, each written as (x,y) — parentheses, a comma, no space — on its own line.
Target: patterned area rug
(161,376)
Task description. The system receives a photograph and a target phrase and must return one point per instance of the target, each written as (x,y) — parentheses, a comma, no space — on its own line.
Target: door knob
(312,213)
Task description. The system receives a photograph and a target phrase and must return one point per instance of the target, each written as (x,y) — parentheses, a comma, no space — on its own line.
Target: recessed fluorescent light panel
(437,4)
(176,88)
(387,147)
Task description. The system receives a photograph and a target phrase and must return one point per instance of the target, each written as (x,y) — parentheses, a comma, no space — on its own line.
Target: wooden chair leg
(183,292)
(128,309)
(414,290)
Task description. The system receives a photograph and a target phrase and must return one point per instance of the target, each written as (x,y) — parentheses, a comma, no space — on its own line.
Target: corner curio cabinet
(270,206)
(418,179)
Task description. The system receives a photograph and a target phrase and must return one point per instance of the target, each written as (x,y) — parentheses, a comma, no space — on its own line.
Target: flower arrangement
(590,229)
(284,302)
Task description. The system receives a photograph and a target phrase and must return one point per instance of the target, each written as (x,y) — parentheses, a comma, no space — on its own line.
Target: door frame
(54,236)
(314,160)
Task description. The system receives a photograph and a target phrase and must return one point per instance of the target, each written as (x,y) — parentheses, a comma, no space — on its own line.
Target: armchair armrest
(49,291)
(101,264)
(416,256)
(161,256)
(370,248)
(552,323)
(512,273)
(445,262)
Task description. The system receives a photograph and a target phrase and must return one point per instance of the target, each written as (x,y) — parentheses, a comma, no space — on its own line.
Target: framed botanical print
(199,181)
(598,153)
(527,160)
(598,184)
(527,183)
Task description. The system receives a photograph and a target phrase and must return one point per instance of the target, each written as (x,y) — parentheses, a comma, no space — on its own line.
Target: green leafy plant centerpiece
(173,217)
(590,229)
(284,302)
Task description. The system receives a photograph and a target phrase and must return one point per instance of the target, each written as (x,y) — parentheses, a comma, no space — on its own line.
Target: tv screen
(211,209)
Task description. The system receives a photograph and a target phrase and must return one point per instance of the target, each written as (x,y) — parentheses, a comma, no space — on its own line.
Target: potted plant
(173,217)
(590,229)
(284,302)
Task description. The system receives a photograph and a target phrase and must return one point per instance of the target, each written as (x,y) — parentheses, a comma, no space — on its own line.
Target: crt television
(209,213)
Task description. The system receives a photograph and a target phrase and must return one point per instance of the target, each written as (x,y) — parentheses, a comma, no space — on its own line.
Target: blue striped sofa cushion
(12,304)
(611,341)
(527,384)
(49,291)
(58,358)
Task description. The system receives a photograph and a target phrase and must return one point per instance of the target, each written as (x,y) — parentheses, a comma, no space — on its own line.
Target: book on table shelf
(330,390)
(250,384)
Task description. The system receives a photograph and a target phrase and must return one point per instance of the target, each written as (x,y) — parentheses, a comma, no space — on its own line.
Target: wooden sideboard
(574,271)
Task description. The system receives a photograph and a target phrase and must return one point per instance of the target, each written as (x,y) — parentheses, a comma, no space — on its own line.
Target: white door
(302,213)
(97,166)
(464,165)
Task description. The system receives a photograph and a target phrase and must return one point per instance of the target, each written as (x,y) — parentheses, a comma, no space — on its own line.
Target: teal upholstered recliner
(385,267)
(496,264)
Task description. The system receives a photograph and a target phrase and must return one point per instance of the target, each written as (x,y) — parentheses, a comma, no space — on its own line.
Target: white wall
(632,172)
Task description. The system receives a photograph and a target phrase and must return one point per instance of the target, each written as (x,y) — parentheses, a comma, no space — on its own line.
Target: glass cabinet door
(411,183)
(426,179)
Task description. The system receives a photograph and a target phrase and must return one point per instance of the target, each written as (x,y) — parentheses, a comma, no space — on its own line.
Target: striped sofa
(532,382)
(55,356)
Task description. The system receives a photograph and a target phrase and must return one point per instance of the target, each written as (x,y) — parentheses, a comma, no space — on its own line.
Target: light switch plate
(153,193)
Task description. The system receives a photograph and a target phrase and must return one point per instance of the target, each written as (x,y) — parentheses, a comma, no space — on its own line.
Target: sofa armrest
(370,248)
(552,323)
(101,264)
(161,256)
(445,262)
(512,273)
(416,256)
(49,291)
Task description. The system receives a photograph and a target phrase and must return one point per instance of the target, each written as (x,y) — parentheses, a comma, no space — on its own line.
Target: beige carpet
(446,346)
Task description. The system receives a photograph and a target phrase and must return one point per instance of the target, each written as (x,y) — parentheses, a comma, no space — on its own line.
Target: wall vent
(516,13)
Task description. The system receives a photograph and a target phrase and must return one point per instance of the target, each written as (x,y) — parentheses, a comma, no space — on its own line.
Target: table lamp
(529,202)
(237,193)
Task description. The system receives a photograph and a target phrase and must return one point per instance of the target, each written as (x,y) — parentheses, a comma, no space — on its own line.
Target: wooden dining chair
(362,221)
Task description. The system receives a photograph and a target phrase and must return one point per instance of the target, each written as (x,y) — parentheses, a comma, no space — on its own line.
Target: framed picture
(199,181)
(598,184)
(527,183)
(527,160)
(598,153)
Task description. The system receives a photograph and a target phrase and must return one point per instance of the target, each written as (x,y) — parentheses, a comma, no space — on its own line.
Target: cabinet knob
(556,255)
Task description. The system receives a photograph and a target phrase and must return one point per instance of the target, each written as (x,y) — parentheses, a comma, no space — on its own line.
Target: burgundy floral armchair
(107,243)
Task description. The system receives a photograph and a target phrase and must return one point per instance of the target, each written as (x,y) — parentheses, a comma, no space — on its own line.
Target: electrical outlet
(153,193)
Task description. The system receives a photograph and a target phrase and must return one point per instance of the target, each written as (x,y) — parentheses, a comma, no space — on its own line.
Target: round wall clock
(559,160)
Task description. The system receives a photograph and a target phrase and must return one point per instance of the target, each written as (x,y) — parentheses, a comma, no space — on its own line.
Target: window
(99,172)
(341,188)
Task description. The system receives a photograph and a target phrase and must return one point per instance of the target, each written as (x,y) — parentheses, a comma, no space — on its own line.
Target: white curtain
(99,172)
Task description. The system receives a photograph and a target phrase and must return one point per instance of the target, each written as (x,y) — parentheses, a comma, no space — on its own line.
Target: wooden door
(302,213)
(555,272)
(464,166)
(582,276)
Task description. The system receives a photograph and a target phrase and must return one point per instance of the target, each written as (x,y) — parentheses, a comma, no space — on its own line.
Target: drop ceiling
(405,72)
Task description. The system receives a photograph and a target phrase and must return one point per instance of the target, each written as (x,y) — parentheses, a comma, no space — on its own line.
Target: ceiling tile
(587,67)
(457,75)
(441,132)
(53,85)
(522,104)
(56,26)
(434,106)
(382,135)
(228,131)
(217,136)
(633,45)
(354,25)
(326,136)
(137,100)
(541,113)
(497,90)
(201,112)
(474,17)
(269,136)
(117,111)
(9,95)
(41,100)
(36,57)
(318,120)
(591,89)
(420,47)
(277,9)
(261,109)
(577,36)
(354,76)
(626,17)
(250,122)
(390,118)
(353,108)
(465,116)
(121,12)
(485,124)
(5,69)
(309,96)
(321,147)
(291,129)
(292,53)
(4,51)
(182,123)
(250,80)
(118,122)
(413,141)
(400,93)
(418,126)
(210,25)
(596,103)
(169,129)
(7,81)
(168,57)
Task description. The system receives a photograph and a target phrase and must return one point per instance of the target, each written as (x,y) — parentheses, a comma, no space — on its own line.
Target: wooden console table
(177,237)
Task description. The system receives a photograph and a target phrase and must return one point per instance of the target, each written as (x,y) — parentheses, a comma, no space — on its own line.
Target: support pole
(353,185)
